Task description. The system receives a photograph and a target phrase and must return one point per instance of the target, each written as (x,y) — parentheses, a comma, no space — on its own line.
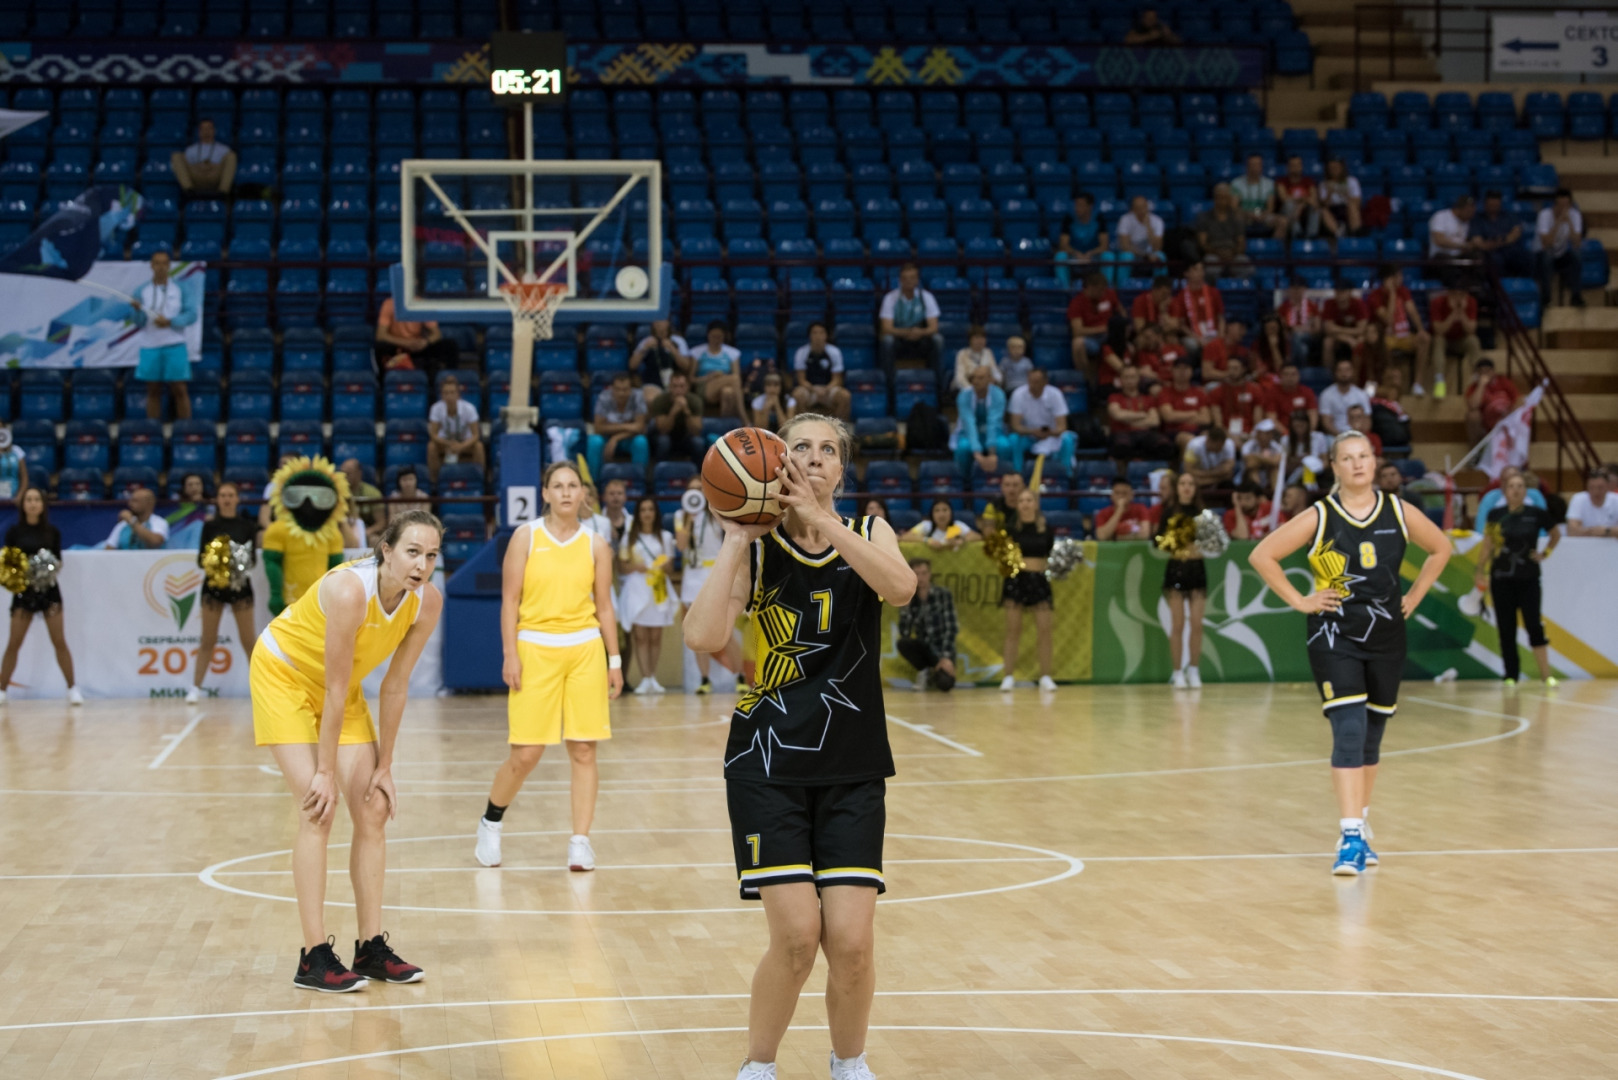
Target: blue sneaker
(1351,850)
(1367,836)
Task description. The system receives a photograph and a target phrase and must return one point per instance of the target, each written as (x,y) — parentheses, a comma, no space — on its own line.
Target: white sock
(844,1063)
(1366,813)
(1351,824)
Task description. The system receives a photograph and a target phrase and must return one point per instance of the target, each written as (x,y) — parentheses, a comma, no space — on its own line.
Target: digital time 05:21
(516,81)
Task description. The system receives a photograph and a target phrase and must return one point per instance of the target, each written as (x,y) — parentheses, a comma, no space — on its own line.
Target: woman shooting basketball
(309,710)
(1356,537)
(808,760)
(555,614)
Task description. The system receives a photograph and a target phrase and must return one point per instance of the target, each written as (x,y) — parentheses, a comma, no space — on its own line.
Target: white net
(534,304)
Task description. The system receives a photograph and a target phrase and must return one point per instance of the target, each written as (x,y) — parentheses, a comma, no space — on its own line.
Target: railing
(1444,29)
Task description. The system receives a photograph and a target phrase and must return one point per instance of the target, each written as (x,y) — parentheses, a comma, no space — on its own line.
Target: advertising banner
(133,619)
(51,323)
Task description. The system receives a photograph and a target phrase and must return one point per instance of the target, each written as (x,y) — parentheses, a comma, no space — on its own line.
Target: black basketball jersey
(1361,559)
(816,716)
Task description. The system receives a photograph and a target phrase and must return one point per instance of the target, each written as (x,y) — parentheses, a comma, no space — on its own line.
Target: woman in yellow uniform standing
(555,616)
(309,710)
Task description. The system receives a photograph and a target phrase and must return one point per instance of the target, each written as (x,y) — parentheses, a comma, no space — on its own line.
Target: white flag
(1509,441)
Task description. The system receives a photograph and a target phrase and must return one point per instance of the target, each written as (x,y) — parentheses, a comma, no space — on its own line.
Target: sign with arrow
(1563,42)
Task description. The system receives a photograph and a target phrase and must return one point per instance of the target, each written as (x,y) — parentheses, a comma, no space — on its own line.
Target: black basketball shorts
(822,835)
(1353,677)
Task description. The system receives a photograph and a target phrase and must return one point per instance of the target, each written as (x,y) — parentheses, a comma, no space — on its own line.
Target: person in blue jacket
(164,308)
(980,431)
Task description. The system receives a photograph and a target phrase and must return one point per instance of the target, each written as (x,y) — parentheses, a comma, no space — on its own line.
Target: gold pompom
(1003,551)
(1180,535)
(13,569)
(216,562)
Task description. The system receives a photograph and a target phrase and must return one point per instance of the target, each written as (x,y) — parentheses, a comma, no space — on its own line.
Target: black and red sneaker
(375,960)
(319,969)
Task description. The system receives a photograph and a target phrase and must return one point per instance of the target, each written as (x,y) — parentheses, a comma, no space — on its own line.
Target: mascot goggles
(297,496)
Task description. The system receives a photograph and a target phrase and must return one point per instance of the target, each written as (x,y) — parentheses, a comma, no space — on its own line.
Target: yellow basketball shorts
(287,706)
(563,695)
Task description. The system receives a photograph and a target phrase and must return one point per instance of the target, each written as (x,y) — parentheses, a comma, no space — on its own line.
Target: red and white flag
(1509,441)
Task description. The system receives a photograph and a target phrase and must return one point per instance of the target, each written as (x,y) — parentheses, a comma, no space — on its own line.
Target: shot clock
(528,67)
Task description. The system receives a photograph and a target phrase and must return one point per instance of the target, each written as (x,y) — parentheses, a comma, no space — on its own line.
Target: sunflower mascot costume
(304,541)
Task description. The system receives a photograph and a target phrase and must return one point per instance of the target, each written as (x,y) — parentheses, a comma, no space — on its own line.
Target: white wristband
(614,663)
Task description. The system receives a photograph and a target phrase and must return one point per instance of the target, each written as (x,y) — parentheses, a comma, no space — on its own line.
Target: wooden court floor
(1108,882)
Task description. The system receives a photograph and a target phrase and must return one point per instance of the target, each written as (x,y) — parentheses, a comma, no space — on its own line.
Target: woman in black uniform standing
(808,759)
(1356,538)
(238,598)
(1509,561)
(1185,579)
(1029,590)
(32,534)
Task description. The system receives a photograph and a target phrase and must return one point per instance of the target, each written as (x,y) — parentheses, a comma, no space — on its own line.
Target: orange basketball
(738,476)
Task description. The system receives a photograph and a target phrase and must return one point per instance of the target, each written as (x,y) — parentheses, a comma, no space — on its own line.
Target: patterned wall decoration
(640,64)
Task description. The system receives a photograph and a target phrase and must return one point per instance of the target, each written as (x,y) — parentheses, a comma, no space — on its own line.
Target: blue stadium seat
(464,534)
(354,437)
(140,443)
(247,444)
(299,437)
(80,485)
(43,395)
(404,442)
(353,395)
(94,394)
(87,445)
(303,396)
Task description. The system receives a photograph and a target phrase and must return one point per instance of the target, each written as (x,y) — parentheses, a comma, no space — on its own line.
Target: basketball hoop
(534,303)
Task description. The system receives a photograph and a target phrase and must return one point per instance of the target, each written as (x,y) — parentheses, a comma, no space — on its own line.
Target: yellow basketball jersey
(558,584)
(298,634)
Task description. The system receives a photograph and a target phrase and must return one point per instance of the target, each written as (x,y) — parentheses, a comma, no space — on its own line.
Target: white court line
(1565,701)
(927,730)
(174,741)
(1341,1055)
(632,999)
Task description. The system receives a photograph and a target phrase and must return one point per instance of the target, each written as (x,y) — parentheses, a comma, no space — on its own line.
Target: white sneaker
(1047,683)
(657,687)
(581,856)
(2,697)
(488,849)
(1418,390)
(850,1068)
(1177,680)
(1008,683)
(644,686)
(74,697)
(757,1070)
(1193,677)
(193,695)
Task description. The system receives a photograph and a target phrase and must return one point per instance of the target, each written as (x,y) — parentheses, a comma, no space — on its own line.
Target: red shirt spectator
(1299,188)
(1157,367)
(1378,300)
(1495,397)
(1438,310)
(1216,359)
(1111,362)
(1190,399)
(1139,401)
(1146,310)
(1200,310)
(1238,404)
(1094,313)
(1284,402)
(1258,522)
(1299,315)
(1137,522)
(1351,313)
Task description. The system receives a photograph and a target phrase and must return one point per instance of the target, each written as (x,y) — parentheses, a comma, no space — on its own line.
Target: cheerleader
(308,708)
(1028,590)
(648,604)
(32,534)
(1356,630)
(238,598)
(699,537)
(555,616)
(1185,578)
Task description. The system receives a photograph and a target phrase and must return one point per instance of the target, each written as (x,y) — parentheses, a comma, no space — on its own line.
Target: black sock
(494,813)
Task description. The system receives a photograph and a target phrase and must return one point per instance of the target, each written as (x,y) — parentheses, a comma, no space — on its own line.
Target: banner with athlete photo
(133,619)
(52,323)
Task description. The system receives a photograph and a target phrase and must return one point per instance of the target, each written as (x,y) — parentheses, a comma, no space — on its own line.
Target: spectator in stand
(659,355)
(1359,419)
(1184,408)
(453,433)
(1263,454)
(1454,315)
(773,406)
(980,432)
(1239,400)
(1346,327)
(1593,511)
(1339,200)
(1037,416)
(1090,315)
(1301,316)
(1499,238)
(1255,194)
(1155,307)
(1249,515)
(1140,233)
(717,369)
(1222,235)
(139,528)
(407,487)
(1212,458)
(1199,309)
(1289,396)
(1399,327)
(1305,452)
(976,354)
(876,508)
(909,318)
(1389,480)
(1490,398)
(1560,231)
(1124,518)
(365,498)
(1449,231)
(941,530)
(1295,499)
(927,630)
(1337,398)
(620,425)
(412,346)
(1136,428)
(1082,241)
(1155,359)
(677,422)
(206,168)
(1015,367)
(1150,30)
(1300,200)
(164,309)
(819,368)
(1216,355)
(1272,349)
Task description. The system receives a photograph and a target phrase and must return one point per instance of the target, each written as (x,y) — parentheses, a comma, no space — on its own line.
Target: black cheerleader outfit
(1029,588)
(1184,574)
(240,530)
(31,539)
